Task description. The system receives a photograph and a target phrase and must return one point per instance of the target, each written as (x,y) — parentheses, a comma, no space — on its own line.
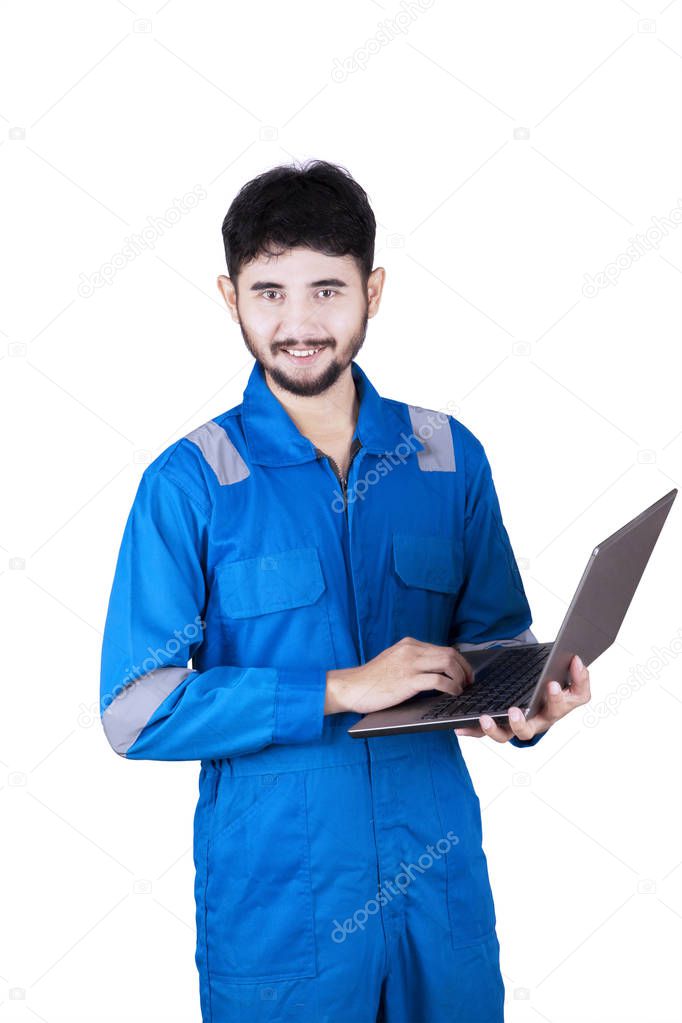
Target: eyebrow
(327,282)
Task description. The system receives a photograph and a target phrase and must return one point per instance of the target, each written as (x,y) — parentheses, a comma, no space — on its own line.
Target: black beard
(316,385)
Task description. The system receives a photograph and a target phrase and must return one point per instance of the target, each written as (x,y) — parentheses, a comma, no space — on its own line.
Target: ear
(227,288)
(375,285)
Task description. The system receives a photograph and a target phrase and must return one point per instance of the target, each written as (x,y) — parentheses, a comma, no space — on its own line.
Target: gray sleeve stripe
(129,712)
(433,430)
(219,452)
(523,637)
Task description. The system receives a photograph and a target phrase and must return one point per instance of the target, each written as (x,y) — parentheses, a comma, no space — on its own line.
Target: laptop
(516,676)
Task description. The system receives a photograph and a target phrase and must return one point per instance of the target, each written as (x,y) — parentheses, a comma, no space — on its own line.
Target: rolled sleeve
(299,713)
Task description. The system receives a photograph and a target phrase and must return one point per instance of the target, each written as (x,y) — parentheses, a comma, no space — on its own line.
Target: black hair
(316,204)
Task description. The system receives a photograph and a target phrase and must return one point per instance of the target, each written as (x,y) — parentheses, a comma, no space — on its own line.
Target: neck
(327,416)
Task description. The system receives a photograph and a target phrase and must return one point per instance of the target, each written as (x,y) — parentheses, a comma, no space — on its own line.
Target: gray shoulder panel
(433,430)
(219,452)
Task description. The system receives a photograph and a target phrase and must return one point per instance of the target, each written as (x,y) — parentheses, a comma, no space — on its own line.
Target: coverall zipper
(355,447)
(344,484)
(343,480)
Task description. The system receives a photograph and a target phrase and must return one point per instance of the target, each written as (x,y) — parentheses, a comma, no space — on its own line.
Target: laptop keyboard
(508,678)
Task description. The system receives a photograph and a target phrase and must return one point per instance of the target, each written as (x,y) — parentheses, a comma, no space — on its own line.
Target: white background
(486,233)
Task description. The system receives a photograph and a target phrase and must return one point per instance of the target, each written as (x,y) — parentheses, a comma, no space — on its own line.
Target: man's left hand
(558,703)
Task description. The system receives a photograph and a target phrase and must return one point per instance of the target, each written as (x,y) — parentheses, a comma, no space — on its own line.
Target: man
(318,552)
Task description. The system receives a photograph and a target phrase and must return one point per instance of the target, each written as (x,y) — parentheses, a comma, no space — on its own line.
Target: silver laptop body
(516,676)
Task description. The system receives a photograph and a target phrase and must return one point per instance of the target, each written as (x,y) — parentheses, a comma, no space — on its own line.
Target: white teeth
(310,351)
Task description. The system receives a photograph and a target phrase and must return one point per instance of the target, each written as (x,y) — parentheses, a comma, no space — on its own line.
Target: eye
(269,291)
(330,291)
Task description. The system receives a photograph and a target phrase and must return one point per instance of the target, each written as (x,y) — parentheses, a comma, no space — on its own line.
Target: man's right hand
(403,670)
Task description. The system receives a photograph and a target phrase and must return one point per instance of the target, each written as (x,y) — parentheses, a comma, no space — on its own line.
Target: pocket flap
(270,582)
(430,562)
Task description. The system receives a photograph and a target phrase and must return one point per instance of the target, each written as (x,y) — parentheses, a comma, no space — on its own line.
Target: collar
(274,439)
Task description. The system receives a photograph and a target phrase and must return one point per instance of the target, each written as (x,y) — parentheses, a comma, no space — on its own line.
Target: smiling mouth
(303,355)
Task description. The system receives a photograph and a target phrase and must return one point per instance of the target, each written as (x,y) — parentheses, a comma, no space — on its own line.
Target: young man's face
(303,301)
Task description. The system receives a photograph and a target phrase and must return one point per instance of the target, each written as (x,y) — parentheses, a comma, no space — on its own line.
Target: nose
(299,323)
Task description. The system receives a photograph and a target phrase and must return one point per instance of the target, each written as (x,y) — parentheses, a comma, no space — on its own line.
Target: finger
(579,680)
(447,659)
(464,664)
(445,671)
(441,681)
(521,726)
(499,733)
(559,701)
(476,732)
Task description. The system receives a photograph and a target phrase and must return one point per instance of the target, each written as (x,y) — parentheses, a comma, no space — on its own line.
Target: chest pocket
(275,609)
(428,576)
(270,582)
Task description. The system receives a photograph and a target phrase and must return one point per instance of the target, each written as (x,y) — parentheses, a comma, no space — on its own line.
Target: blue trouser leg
(291,859)
(443,951)
(428,982)
(355,889)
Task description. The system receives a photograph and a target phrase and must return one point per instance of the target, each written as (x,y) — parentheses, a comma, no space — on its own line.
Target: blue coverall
(337,879)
